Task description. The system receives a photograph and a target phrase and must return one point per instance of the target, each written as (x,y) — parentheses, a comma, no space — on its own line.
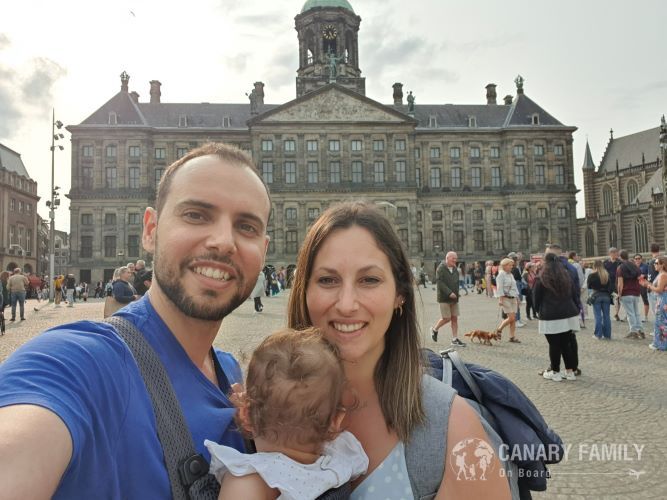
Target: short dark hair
(225,152)
(623,254)
(571,255)
(655,248)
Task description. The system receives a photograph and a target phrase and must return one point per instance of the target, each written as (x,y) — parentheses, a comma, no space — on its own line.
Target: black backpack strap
(463,371)
(187,470)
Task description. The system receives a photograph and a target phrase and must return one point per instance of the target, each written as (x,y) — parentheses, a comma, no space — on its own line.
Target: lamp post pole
(53,202)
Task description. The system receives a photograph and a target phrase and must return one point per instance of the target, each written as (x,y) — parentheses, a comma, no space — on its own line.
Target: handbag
(111,305)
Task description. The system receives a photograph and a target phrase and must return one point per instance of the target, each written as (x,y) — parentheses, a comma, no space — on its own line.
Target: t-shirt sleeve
(79,373)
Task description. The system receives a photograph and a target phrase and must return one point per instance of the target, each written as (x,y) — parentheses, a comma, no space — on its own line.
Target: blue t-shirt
(85,374)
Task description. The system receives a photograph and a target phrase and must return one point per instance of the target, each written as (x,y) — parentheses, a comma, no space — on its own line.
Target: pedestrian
(627,283)
(528,277)
(142,277)
(258,291)
(478,276)
(573,260)
(4,288)
(601,286)
(659,287)
(447,283)
(352,282)
(555,296)
(611,265)
(643,292)
(422,275)
(516,274)
(123,290)
(652,275)
(488,278)
(70,288)
(508,297)
(18,285)
(76,390)
(2,308)
(462,278)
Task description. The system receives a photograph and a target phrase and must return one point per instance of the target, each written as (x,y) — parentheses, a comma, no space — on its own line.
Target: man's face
(209,241)
(451,259)
(613,255)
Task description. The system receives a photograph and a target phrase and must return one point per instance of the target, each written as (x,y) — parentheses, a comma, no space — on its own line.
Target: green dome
(311,4)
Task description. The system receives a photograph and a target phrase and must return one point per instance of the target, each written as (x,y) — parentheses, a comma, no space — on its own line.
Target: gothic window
(613,236)
(590,243)
(309,56)
(607,200)
(641,235)
(632,190)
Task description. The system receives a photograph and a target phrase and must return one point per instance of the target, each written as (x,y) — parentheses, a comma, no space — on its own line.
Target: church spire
(588,159)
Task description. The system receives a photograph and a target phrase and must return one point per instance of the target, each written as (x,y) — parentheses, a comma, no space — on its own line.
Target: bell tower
(328,46)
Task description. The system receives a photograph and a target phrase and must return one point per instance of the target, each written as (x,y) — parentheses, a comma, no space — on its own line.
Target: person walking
(573,260)
(508,297)
(627,283)
(599,282)
(528,276)
(2,307)
(447,283)
(70,287)
(516,273)
(555,296)
(488,277)
(651,275)
(18,285)
(659,287)
(611,265)
(478,276)
(643,292)
(258,291)
(462,274)
(422,276)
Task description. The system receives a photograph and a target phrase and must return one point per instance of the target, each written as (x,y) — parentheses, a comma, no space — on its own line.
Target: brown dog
(483,337)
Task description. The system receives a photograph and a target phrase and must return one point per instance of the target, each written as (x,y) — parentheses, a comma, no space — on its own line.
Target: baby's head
(294,388)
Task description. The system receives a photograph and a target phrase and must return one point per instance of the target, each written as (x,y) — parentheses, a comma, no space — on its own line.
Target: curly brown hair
(294,388)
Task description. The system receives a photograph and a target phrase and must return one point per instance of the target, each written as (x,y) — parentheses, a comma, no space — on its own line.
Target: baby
(292,409)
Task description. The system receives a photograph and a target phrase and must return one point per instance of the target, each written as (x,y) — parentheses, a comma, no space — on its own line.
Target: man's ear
(150,228)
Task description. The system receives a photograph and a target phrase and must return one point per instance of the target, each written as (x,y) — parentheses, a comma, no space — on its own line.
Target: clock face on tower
(329,32)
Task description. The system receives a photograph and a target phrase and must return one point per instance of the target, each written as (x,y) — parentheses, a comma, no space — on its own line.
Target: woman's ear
(399,301)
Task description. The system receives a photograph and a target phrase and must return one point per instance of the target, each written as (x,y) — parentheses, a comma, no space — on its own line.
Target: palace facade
(482,179)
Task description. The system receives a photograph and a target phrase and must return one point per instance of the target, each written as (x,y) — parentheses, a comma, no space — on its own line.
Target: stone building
(482,179)
(18,214)
(625,195)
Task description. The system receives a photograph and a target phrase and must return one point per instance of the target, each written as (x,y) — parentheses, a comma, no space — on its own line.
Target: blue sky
(593,64)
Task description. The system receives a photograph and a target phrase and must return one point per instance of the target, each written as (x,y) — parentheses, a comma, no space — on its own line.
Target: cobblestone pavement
(620,399)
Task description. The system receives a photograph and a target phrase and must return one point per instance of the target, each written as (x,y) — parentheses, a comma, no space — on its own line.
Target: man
(142,277)
(627,282)
(447,282)
(643,292)
(73,405)
(58,289)
(611,265)
(18,285)
(651,275)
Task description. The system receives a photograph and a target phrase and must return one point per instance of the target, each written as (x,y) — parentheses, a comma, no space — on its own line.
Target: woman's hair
(119,271)
(398,373)
(662,260)
(598,267)
(506,261)
(554,276)
(294,388)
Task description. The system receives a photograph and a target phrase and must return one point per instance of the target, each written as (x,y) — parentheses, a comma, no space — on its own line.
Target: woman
(508,296)
(601,288)
(554,299)
(478,275)
(659,287)
(123,291)
(528,278)
(353,283)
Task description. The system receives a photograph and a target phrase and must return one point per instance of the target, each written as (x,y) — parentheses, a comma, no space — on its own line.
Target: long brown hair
(598,267)
(398,373)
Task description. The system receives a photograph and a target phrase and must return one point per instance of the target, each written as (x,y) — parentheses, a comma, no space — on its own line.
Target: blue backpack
(509,412)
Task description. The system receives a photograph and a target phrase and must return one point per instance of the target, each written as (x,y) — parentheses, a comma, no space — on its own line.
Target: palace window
(290,146)
(558,150)
(133,174)
(498,239)
(109,219)
(524,239)
(160,153)
(110,246)
(86,249)
(538,149)
(334,172)
(158,176)
(498,214)
(87,151)
(290,214)
(290,172)
(291,245)
(110,180)
(133,245)
(518,151)
(267,171)
(311,145)
(133,219)
(110,151)
(495,177)
(494,152)
(378,145)
(455,153)
(378,171)
(456,177)
(181,152)
(267,145)
(334,145)
(356,145)
(561,212)
(478,240)
(436,215)
(435,177)
(459,241)
(540,175)
(478,214)
(400,171)
(560,174)
(519,175)
(475,152)
(476,177)
(87,177)
(399,144)
(435,152)
(313,214)
(134,151)
(457,215)
(357,172)
(86,219)
(313,172)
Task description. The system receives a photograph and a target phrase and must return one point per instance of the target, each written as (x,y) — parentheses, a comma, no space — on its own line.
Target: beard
(170,281)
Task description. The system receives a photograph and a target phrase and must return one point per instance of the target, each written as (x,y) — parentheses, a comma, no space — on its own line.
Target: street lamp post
(55,201)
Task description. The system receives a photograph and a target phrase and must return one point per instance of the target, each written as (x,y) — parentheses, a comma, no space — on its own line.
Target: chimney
(259,92)
(491,94)
(124,81)
(135,96)
(508,100)
(398,94)
(155,92)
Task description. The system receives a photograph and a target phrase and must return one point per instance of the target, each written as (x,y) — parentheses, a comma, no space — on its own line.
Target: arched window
(27,268)
(11,266)
(613,236)
(544,237)
(641,235)
(632,190)
(607,200)
(590,243)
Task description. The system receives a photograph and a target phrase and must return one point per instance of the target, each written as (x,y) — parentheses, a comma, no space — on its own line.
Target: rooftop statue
(411,102)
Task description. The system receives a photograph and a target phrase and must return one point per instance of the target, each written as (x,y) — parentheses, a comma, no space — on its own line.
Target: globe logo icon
(472,459)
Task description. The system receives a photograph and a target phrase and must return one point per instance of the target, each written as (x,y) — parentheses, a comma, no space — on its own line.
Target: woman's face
(125,275)
(351,294)
(508,267)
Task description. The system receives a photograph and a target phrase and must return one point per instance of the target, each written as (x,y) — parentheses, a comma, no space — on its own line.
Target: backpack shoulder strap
(425,451)
(184,465)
